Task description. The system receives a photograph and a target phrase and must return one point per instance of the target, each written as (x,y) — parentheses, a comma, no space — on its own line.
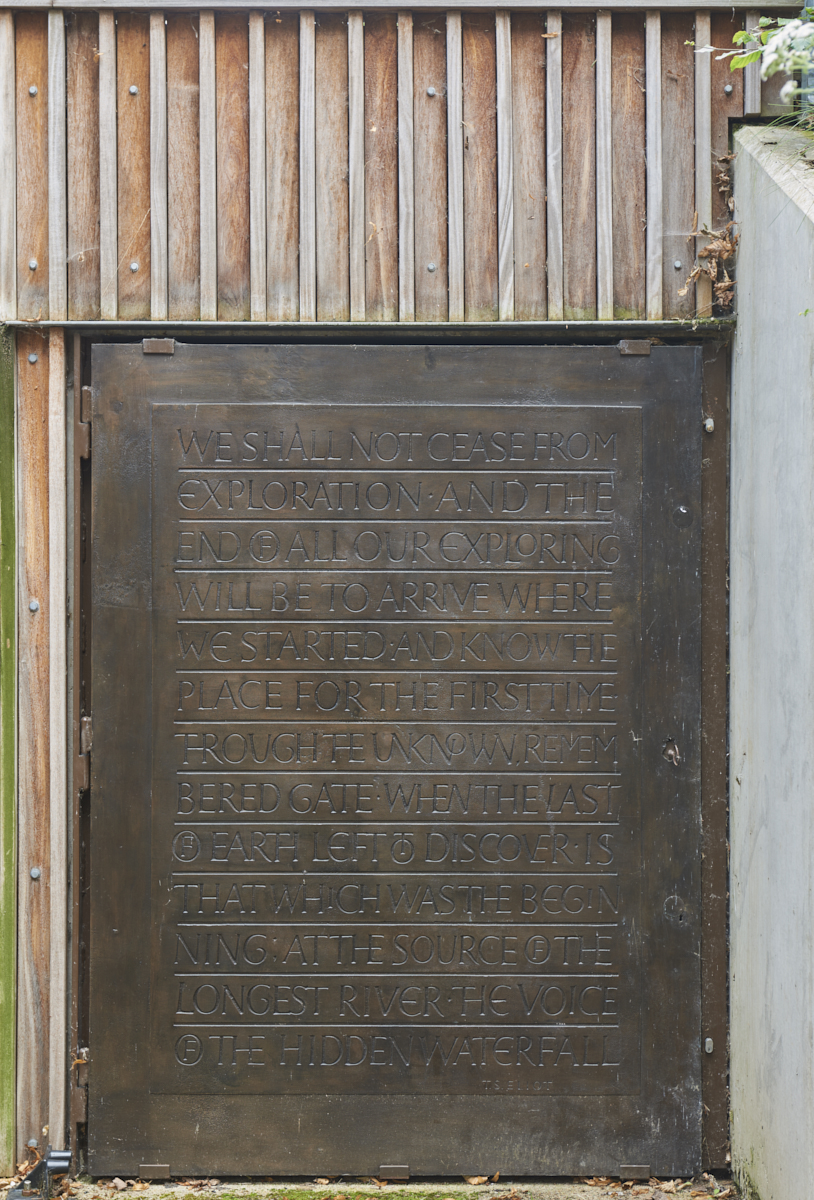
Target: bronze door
(396,815)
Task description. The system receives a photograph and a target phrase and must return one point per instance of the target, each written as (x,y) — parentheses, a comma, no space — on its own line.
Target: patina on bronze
(389,862)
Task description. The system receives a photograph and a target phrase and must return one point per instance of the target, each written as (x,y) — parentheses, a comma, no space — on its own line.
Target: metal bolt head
(32,358)
(35,873)
(709,1046)
(133,90)
(32,91)
(431,267)
(134,266)
(709,425)
(431,91)
(32,1144)
(677,264)
(728,89)
(34,606)
(32,264)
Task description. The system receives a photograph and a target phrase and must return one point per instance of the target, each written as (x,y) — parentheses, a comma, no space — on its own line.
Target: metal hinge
(85,735)
(83,425)
(83,759)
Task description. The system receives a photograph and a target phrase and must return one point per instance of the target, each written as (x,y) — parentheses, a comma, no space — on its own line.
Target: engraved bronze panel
(396,750)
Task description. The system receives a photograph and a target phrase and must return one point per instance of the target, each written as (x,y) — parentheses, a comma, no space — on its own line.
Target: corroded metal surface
(395,827)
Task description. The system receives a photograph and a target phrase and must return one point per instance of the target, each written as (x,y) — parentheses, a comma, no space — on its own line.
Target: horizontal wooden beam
(395,5)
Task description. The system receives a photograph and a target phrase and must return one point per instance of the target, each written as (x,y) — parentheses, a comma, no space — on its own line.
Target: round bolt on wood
(430,267)
(32,264)
(35,873)
(677,264)
(709,425)
(431,91)
(32,358)
(34,606)
(32,91)
(133,90)
(134,267)
(728,89)
(709,1046)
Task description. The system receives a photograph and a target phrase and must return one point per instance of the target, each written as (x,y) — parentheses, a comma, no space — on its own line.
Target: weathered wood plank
(8,156)
(406,170)
(257,166)
(455,168)
(703,151)
(382,169)
(183,169)
(579,167)
(505,166)
(108,171)
(57,171)
(629,166)
(83,166)
(553,144)
(604,167)
(282,167)
(356,163)
(133,104)
(158,167)
(58,744)
(726,107)
(529,167)
(654,201)
(480,173)
(678,167)
(332,209)
(232,84)
(33,690)
(282,5)
(430,131)
(308,169)
(8,737)
(32,165)
(751,73)
(208,172)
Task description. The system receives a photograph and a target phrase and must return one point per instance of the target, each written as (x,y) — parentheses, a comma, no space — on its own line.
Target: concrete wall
(772,668)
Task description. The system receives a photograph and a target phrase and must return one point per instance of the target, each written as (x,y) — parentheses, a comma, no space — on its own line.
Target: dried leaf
(118,1184)
(496,1176)
(476,1179)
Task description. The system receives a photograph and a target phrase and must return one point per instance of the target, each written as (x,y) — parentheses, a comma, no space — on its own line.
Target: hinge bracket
(83,425)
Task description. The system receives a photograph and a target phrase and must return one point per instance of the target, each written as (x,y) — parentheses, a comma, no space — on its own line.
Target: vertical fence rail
(703,152)
(406,169)
(108,171)
(356,163)
(455,166)
(257,165)
(653,144)
(505,167)
(604,170)
(554,165)
(308,202)
(8,177)
(57,171)
(158,167)
(208,118)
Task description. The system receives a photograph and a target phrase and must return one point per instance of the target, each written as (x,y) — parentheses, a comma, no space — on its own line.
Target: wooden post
(553,80)
(703,152)
(159,260)
(406,169)
(8,178)
(257,164)
(655,194)
(308,167)
(356,163)
(455,165)
(8,748)
(57,170)
(604,169)
(505,166)
(208,152)
(108,169)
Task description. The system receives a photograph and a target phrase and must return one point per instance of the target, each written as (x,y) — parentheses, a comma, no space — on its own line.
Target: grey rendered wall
(772,668)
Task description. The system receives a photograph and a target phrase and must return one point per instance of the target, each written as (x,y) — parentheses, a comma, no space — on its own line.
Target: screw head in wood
(35,873)
(709,425)
(431,267)
(728,89)
(32,358)
(134,267)
(32,1144)
(32,91)
(33,606)
(709,1045)
(32,264)
(677,264)
(133,90)
(431,91)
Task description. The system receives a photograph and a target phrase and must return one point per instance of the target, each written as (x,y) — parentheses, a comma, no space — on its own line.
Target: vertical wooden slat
(257,166)
(133,72)
(653,145)
(158,167)
(703,152)
(529,167)
(356,163)
(505,166)
(232,84)
(726,107)
(678,165)
(406,151)
(332,201)
(430,132)
(108,170)
(57,171)
(183,169)
(604,168)
(32,165)
(208,127)
(553,145)
(83,165)
(579,168)
(8,734)
(58,746)
(751,73)
(629,167)
(33,844)
(480,161)
(308,171)
(455,167)
(282,166)
(382,179)
(8,156)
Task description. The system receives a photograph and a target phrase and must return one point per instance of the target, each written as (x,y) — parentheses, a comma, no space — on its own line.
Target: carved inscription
(397,796)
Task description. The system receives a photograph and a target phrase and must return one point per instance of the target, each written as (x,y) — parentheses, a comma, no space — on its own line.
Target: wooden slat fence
(351,166)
